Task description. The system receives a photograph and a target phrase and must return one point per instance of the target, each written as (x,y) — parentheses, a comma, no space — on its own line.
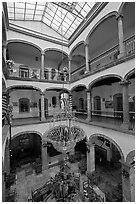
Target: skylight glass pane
(30,6)
(28,11)
(10,4)
(11,15)
(28,17)
(39,12)
(40,7)
(52,14)
(37,17)
(19,4)
(46,20)
(18,10)
(19,16)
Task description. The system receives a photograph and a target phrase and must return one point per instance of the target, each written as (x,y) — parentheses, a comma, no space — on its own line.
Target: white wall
(33,96)
(42,43)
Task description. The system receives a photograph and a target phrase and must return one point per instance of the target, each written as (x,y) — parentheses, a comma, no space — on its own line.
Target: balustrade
(130,45)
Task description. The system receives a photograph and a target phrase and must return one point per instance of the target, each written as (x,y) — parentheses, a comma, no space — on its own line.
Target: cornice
(35,35)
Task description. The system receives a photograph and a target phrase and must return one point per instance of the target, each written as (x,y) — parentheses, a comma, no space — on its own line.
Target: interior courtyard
(68,101)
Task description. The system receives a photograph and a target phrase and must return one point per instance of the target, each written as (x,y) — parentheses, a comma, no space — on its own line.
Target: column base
(121,55)
(88,119)
(43,119)
(125,126)
(86,71)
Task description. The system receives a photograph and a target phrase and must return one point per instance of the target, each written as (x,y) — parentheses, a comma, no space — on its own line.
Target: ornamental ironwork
(64,138)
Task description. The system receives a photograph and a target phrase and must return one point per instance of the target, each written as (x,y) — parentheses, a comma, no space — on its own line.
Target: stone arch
(79,43)
(27,131)
(74,87)
(91,141)
(24,86)
(130,73)
(130,157)
(114,13)
(103,77)
(121,7)
(24,42)
(56,49)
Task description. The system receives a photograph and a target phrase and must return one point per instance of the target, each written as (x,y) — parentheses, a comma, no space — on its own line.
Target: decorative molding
(125,173)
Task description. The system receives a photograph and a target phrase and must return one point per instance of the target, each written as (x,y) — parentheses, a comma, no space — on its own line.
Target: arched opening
(108,168)
(128,12)
(25,151)
(55,61)
(27,59)
(106,100)
(104,50)
(78,61)
(79,101)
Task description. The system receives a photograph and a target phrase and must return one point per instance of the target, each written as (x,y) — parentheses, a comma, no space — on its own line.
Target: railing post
(121,36)
(42,64)
(87,55)
(125,85)
(42,107)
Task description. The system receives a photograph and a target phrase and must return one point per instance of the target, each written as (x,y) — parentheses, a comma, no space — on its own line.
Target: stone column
(90,158)
(69,60)
(121,36)
(42,107)
(87,55)
(3,186)
(125,85)
(88,105)
(128,182)
(42,64)
(4,47)
(44,156)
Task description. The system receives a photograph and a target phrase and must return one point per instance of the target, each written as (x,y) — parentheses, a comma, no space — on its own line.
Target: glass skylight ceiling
(63,17)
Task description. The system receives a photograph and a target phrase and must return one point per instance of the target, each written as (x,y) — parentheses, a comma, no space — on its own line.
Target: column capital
(42,93)
(4,44)
(69,58)
(88,90)
(125,82)
(119,16)
(42,52)
(44,144)
(86,42)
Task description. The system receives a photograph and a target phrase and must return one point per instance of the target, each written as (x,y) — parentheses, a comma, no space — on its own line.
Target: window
(54,101)
(24,105)
(24,72)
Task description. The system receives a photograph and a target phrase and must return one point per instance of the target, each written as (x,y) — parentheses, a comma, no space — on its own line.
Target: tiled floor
(27,180)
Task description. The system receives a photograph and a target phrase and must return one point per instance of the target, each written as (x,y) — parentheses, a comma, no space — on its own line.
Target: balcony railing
(35,73)
(130,45)
(105,58)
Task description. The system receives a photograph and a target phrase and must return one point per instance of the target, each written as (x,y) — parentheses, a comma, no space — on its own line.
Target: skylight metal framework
(54,14)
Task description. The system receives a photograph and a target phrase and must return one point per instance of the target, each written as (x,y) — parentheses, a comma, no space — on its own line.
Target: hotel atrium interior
(68,101)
